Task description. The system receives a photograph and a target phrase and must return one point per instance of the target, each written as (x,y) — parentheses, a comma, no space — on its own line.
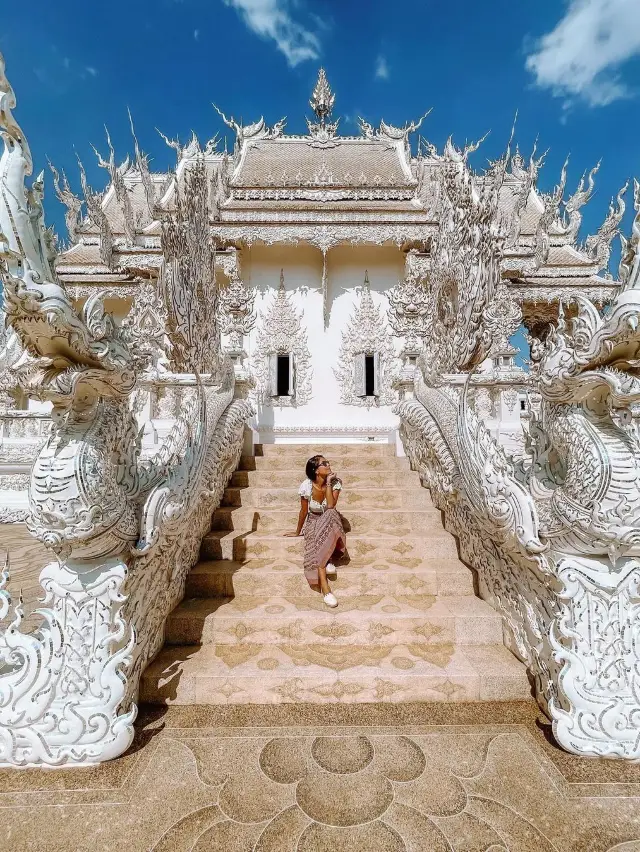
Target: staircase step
(355,478)
(359,620)
(405,550)
(253,674)
(339,463)
(408,626)
(399,522)
(372,497)
(274,577)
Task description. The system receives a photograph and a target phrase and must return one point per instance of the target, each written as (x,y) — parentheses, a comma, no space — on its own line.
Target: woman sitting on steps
(320,524)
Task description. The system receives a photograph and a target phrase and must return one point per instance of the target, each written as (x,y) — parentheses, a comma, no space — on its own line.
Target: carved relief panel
(367,356)
(281,363)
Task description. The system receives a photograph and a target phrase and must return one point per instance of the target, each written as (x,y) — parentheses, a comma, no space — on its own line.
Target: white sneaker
(331,570)
(330,599)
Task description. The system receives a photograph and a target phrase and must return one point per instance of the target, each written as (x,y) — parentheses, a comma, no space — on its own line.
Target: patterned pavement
(471,777)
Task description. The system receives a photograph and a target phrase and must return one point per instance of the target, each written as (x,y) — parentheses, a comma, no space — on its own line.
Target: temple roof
(301,162)
(326,189)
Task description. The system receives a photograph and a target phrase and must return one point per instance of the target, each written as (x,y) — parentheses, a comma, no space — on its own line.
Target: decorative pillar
(237,318)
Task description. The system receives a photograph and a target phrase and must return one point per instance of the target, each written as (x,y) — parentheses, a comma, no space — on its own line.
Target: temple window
(366,372)
(282,374)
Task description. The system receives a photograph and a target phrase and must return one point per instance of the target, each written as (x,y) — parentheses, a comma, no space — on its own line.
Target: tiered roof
(325,189)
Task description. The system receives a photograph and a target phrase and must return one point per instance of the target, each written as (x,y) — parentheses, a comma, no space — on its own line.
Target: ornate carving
(572,206)
(551,205)
(527,178)
(12,516)
(361,191)
(556,541)
(409,305)
(142,164)
(97,217)
(70,201)
(281,332)
(70,688)
(630,254)
(330,429)
(322,101)
(235,305)
(10,353)
(14,481)
(189,279)
(502,319)
(183,152)
(116,174)
(251,132)
(364,335)
(145,327)
(483,403)
(465,267)
(598,247)
(322,236)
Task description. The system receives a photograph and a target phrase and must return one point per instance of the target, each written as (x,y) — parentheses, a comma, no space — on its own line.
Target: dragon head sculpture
(88,489)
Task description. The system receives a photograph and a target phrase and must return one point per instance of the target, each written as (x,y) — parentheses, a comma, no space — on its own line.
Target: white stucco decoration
(281,332)
(367,334)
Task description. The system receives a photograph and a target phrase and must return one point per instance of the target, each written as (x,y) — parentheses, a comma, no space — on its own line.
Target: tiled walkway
(300,778)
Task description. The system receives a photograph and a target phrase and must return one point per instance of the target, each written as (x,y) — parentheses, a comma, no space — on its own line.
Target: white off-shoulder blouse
(306,490)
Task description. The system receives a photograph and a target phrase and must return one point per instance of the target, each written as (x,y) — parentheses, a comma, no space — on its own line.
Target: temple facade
(313,235)
(316,290)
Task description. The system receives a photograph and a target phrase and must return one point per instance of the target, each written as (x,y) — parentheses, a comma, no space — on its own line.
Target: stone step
(277,577)
(391,497)
(306,451)
(340,464)
(408,551)
(408,479)
(254,674)
(374,522)
(364,619)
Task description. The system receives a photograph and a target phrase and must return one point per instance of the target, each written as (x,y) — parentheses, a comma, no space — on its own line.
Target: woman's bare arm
(331,493)
(304,508)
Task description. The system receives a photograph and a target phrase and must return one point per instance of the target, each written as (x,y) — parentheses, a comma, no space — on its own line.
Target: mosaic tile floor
(298,778)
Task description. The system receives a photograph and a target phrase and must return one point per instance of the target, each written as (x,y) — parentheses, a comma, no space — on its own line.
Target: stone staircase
(408,626)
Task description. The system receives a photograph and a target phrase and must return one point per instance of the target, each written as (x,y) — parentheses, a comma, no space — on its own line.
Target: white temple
(312,236)
(318,289)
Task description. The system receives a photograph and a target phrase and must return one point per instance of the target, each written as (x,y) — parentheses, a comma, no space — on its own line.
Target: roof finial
(281,287)
(322,99)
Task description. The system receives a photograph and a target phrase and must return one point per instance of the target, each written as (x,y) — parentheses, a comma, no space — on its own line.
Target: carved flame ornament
(281,333)
(366,334)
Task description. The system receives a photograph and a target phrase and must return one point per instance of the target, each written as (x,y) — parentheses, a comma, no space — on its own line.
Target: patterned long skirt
(324,538)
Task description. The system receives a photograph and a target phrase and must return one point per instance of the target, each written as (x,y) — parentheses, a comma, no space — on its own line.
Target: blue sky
(571,69)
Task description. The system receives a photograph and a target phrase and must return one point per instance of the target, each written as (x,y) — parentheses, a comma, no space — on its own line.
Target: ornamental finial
(322,99)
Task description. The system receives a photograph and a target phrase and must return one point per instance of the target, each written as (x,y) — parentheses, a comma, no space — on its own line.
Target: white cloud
(271,19)
(196,35)
(382,68)
(91,70)
(582,56)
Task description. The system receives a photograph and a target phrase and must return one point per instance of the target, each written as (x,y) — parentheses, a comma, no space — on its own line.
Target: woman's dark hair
(312,466)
